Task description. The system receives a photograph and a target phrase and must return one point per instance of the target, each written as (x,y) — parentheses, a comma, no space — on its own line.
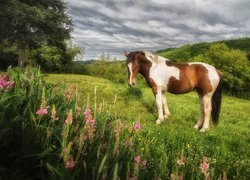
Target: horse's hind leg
(207,111)
(200,121)
(165,105)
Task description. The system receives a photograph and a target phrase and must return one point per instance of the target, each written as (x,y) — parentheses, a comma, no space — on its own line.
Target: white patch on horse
(154,58)
(131,73)
(161,73)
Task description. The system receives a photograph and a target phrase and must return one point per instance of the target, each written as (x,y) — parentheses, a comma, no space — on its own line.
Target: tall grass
(54,132)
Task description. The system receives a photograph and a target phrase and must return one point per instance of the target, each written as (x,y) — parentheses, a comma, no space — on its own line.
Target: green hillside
(184,53)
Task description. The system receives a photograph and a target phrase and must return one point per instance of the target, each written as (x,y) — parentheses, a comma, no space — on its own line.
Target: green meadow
(63,118)
(93,126)
(226,146)
(61,126)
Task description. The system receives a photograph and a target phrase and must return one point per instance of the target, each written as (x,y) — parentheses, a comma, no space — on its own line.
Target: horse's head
(133,62)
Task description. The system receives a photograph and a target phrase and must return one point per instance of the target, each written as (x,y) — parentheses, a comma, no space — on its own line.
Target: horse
(164,75)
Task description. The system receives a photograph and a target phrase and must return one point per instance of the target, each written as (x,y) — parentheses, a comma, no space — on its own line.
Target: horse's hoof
(204,129)
(158,121)
(197,127)
(166,116)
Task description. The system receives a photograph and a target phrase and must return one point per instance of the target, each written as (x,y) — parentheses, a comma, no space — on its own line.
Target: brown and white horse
(164,75)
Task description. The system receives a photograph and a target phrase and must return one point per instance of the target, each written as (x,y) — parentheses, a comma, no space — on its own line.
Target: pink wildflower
(87,112)
(69,119)
(204,166)
(89,119)
(69,164)
(137,159)
(88,116)
(6,83)
(90,124)
(42,111)
(137,126)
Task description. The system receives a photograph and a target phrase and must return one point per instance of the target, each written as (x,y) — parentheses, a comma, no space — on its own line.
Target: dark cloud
(112,26)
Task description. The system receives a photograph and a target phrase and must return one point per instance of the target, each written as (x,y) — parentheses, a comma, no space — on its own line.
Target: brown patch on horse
(191,77)
(145,69)
(203,83)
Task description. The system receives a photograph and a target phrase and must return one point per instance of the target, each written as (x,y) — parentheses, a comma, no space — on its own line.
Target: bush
(115,71)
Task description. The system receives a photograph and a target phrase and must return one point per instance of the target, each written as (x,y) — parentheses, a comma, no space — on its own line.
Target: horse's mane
(155,57)
(132,55)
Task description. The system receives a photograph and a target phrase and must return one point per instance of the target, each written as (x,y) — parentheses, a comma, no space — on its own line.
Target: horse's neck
(145,68)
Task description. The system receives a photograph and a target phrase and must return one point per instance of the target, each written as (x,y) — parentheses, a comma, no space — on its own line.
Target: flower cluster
(6,83)
(204,166)
(90,124)
(69,164)
(139,161)
(137,126)
(69,119)
(88,116)
(43,108)
(42,111)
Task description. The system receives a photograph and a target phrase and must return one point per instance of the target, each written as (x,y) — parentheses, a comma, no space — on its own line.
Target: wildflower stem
(95,102)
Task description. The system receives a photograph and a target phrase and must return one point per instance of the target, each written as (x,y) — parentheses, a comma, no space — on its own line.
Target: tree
(31,24)
(53,59)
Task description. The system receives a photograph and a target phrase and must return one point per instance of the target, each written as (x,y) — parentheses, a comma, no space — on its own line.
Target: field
(121,139)
(231,137)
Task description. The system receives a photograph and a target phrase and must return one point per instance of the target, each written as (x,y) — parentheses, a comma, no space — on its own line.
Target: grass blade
(115,173)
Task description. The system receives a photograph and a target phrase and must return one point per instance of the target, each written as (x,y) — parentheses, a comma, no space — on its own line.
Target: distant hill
(189,51)
(85,62)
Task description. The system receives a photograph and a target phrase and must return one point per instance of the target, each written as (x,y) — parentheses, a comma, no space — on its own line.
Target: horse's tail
(216,101)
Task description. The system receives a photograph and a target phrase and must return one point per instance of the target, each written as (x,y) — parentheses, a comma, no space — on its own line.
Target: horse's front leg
(165,105)
(159,103)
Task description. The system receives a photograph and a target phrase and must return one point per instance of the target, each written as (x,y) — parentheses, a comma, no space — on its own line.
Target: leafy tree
(51,58)
(31,24)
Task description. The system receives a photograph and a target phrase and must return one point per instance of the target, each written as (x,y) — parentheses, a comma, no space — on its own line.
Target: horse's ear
(126,53)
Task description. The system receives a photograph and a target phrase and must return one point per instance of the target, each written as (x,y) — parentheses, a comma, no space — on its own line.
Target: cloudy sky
(112,26)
